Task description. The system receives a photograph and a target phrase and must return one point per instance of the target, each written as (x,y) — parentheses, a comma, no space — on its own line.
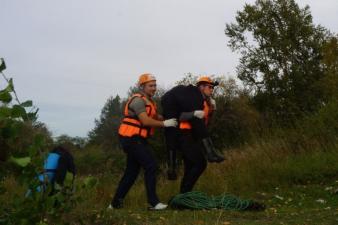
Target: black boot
(256,206)
(117,203)
(212,154)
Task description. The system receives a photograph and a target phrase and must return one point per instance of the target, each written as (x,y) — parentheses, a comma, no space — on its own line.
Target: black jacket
(65,163)
(185,99)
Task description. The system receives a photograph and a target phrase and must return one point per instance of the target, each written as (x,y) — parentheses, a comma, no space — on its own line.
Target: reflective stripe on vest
(186,125)
(132,126)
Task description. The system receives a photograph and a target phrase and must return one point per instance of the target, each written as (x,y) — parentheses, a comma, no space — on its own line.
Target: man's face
(149,88)
(207,89)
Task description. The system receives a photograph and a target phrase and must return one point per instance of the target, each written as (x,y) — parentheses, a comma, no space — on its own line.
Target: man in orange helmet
(193,106)
(140,119)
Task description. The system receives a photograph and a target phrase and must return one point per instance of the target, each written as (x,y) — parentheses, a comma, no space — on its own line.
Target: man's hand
(199,114)
(170,123)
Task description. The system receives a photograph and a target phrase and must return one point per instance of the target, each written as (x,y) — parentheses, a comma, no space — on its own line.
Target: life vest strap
(131,117)
(132,124)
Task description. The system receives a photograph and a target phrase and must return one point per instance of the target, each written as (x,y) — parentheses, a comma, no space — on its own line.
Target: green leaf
(5,112)
(22,162)
(5,96)
(28,103)
(18,111)
(2,65)
(32,116)
(10,86)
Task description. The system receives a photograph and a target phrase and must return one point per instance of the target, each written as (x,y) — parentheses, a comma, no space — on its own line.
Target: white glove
(170,123)
(213,103)
(199,114)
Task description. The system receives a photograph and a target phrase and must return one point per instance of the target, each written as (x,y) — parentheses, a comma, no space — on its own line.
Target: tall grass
(305,153)
(257,167)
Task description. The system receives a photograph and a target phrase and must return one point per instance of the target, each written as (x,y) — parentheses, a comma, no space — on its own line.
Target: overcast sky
(69,56)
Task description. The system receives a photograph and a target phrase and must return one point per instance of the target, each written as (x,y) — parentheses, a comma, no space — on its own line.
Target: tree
(281,56)
(105,132)
(71,143)
(329,83)
(23,141)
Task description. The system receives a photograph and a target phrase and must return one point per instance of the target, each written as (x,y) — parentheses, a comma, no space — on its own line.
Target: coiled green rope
(199,200)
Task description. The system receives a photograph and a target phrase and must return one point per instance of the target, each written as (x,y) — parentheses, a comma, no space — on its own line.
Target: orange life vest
(207,111)
(131,125)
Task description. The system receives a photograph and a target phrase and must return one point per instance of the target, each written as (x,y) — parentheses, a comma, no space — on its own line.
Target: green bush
(95,160)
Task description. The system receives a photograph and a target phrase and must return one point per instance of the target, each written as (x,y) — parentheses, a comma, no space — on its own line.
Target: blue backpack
(50,166)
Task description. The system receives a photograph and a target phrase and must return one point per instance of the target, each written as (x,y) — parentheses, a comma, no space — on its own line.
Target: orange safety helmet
(206,79)
(146,77)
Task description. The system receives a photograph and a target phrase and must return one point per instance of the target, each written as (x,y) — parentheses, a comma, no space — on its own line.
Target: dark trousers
(194,160)
(170,110)
(138,155)
(172,144)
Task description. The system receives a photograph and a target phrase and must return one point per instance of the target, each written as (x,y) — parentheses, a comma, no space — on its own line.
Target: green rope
(199,200)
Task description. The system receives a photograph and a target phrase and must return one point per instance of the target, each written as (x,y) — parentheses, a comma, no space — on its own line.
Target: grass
(298,188)
(299,204)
